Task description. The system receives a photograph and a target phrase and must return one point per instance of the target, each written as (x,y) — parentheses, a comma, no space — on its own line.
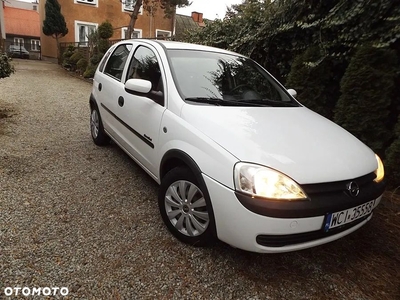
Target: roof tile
(22,22)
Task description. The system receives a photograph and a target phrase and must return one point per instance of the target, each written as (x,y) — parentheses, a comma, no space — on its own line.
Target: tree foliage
(151,6)
(6,68)
(311,77)
(392,161)
(105,30)
(367,87)
(54,23)
(275,33)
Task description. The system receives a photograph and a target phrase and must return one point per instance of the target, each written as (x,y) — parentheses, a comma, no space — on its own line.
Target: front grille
(338,186)
(292,239)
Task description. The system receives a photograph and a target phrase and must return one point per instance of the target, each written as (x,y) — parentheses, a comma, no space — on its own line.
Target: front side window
(225,79)
(144,65)
(116,63)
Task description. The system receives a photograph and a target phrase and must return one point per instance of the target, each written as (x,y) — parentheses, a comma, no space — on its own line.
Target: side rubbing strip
(130,128)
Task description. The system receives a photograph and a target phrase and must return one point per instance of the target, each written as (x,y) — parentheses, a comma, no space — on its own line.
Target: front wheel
(186,209)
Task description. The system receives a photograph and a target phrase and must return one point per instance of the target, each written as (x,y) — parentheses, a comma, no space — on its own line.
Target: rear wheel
(100,138)
(186,208)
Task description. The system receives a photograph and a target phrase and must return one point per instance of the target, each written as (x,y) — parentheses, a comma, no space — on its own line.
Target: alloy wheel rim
(186,208)
(94,124)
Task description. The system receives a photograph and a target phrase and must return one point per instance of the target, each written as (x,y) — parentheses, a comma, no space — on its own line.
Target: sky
(211,9)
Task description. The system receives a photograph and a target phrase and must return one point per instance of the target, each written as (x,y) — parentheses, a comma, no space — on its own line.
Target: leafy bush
(90,70)
(367,87)
(103,45)
(67,55)
(311,76)
(392,161)
(6,68)
(75,58)
(95,59)
(105,30)
(82,64)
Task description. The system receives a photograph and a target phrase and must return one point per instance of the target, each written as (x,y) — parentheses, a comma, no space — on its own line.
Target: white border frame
(163,30)
(83,2)
(76,23)
(129,10)
(140,31)
(36,50)
(19,39)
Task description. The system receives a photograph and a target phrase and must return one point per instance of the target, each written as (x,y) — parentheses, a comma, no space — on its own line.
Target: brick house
(184,24)
(22,28)
(82,16)
(2,26)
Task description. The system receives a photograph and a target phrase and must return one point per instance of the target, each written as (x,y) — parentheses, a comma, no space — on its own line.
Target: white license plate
(344,217)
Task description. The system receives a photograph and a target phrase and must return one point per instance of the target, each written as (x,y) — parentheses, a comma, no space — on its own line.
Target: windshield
(14,47)
(222,79)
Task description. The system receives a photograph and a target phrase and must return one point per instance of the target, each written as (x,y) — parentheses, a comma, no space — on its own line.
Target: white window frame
(19,41)
(76,27)
(35,45)
(135,30)
(125,8)
(169,33)
(94,3)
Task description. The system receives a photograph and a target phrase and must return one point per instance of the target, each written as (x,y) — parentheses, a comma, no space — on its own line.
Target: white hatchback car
(236,156)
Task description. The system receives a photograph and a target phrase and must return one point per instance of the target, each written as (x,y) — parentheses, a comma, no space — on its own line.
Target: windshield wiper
(208,100)
(219,101)
(268,102)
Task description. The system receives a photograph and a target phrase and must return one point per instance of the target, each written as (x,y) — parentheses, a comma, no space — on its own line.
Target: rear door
(110,88)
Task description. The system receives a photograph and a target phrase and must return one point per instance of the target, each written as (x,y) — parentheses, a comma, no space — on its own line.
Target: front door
(143,114)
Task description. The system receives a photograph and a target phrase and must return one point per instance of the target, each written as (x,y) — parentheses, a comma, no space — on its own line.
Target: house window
(136,33)
(18,41)
(82,31)
(129,5)
(91,2)
(35,45)
(162,34)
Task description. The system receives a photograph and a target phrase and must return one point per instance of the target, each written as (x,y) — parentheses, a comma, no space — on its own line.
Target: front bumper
(242,228)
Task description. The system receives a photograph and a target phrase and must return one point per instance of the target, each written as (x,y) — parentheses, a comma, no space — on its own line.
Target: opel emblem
(353,189)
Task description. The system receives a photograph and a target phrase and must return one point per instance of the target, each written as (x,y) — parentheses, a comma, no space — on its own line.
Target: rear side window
(116,63)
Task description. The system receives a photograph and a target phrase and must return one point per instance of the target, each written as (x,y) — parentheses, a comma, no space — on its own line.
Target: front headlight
(380,172)
(264,182)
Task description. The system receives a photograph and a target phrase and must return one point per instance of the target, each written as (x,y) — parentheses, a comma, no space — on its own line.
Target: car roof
(184,46)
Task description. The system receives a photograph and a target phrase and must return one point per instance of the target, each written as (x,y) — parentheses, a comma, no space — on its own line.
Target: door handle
(121,101)
(100,87)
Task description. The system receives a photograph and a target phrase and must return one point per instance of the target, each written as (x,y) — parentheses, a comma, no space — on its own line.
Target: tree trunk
(58,50)
(134,16)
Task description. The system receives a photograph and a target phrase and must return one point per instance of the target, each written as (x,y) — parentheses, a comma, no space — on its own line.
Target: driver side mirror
(137,86)
(292,93)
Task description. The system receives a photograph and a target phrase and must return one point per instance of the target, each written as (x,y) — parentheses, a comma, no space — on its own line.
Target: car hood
(294,140)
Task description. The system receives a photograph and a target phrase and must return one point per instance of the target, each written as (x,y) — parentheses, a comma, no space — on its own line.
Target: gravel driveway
(78,216)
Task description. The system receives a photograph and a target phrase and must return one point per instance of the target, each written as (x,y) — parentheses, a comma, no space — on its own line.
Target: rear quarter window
(104,60)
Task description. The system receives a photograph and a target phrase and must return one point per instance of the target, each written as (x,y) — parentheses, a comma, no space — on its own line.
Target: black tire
(100,138)
(195,230)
